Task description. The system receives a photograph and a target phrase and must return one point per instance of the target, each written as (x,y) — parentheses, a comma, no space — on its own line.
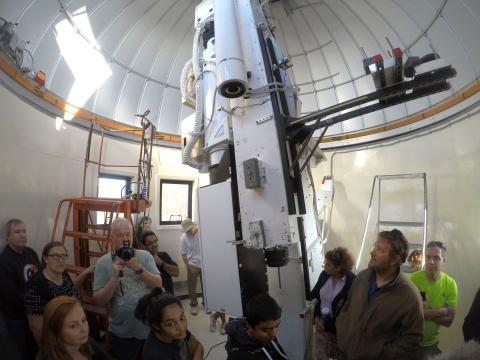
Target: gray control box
(251,172)
(257,234)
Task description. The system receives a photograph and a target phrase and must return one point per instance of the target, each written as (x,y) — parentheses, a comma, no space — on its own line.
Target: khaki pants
(192,274)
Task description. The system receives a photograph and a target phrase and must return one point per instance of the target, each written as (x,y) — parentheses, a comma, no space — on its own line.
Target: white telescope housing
(231,74)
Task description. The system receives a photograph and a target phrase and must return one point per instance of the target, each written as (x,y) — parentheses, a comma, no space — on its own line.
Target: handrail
(57,215)
(61,104)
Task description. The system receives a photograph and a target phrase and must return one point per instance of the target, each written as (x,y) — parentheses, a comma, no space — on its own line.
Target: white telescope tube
(231,74)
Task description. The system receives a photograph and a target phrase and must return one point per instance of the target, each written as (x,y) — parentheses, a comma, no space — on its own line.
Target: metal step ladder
(391,222)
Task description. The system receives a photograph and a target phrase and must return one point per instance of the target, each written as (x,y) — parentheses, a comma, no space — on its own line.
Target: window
(78,46)
(112,186)
(175,201)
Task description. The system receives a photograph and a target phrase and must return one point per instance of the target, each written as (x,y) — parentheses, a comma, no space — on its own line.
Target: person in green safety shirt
(439,294)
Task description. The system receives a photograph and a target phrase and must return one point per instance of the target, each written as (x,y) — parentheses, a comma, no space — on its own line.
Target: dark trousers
(424,353)
(20,333)
(126,348)
(427,352)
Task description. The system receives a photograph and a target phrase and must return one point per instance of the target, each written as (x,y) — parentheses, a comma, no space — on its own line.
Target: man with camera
(121,278)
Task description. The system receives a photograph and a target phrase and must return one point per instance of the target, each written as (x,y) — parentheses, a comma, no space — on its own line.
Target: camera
(125,252)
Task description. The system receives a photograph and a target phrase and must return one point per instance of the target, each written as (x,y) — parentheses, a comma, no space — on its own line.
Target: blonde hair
(415,256)
(54,315)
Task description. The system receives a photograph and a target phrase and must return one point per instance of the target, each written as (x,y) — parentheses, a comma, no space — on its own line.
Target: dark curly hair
(340,259)
(398,243)
(150,307)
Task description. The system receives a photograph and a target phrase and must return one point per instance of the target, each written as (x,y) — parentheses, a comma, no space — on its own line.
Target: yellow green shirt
(440,293)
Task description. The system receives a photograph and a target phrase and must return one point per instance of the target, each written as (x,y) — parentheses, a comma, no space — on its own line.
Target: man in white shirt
(190,250)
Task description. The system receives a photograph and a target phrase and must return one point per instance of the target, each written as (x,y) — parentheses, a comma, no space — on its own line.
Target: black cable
(120,282)
(314,148)
(304,145)
(209,350)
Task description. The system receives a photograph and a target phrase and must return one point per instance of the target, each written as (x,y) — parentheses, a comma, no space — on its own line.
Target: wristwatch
(139,271)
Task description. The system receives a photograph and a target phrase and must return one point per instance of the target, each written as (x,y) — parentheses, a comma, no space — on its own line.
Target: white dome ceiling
(145,44)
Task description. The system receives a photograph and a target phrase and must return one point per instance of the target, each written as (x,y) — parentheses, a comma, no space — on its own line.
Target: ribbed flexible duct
(197,128)
(187,94)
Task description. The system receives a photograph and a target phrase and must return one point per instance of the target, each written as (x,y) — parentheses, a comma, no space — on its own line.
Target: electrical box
(251,171)
(257,235)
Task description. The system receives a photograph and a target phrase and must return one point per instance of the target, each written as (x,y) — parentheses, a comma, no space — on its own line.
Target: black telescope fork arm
(423,85)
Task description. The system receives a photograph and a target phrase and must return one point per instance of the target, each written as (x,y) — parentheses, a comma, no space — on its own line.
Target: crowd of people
(379,313)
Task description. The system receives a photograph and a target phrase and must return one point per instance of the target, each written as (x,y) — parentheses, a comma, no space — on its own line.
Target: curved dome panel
(136,50)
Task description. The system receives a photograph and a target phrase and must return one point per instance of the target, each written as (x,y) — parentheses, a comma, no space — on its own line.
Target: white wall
(40,166)
(166,164)
(450,157)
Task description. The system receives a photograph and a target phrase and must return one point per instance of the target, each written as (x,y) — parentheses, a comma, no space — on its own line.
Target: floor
(199,326)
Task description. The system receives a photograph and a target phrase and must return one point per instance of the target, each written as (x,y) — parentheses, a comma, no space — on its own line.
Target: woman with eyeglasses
(65,333)
(331,291)
(169,338)
(50,282)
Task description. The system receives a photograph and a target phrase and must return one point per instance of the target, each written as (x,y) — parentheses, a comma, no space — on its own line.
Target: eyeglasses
(148,243)
(58,257)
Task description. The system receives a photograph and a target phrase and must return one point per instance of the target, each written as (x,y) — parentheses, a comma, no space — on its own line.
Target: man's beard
(379,268)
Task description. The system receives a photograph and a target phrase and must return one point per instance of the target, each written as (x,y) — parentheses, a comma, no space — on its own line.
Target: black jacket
(337,302)
(240,346)
(471,325)
(15,271)
(167,282)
